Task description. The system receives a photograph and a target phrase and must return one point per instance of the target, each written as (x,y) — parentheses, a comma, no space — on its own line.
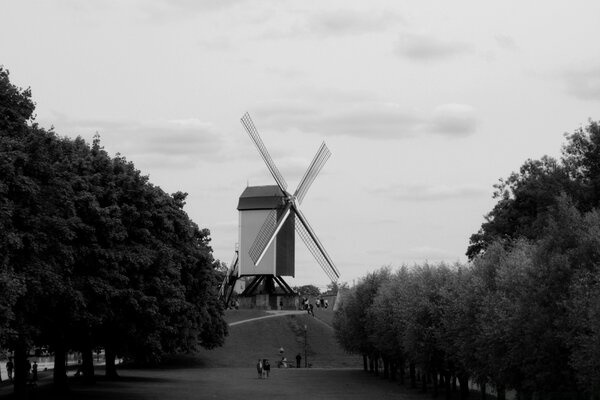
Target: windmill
(268,217)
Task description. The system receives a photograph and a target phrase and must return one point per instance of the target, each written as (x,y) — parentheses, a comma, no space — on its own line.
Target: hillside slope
(249,341)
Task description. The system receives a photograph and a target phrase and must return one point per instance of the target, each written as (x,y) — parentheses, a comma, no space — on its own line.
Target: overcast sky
(424,105)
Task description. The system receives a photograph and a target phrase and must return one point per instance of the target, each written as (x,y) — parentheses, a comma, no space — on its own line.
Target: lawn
(248,342)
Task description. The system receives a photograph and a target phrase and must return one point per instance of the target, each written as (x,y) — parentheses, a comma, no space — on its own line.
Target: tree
(524,198)
(307,290)
(92,254)
(350,321)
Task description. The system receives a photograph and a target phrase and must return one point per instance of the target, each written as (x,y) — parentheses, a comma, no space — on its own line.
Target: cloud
(420,47)
(331,23)
(375,120)
(170,10)
(453,120)
(420,192)
(350,22)
(167,142)
(583,83)
(506,42)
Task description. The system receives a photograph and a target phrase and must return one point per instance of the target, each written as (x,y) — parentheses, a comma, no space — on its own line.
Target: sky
(424,105)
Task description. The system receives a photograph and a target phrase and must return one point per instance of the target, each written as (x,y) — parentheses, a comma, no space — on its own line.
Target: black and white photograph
(238,199)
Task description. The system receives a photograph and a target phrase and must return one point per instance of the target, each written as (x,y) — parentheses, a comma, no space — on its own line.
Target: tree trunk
(365,363)
(402,372)
(20,371)
(386,368)
(500,392)
(59,374)
(448,385)
(110,356)
(483,392)
(434,381)
(371,364)
(413,375)
(87,363)
(463,380)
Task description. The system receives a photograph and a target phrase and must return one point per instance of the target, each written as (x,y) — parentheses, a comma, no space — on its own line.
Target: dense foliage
(523,315)
(92,254)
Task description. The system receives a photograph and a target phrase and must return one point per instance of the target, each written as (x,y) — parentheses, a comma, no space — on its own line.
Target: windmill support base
(269,292)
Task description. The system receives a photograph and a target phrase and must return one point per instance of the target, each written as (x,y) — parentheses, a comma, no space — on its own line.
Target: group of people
(307,305)
(31,370)
(263,368)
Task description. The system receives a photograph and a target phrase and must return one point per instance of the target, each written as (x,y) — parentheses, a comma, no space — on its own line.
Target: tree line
(522,315)
(92,254)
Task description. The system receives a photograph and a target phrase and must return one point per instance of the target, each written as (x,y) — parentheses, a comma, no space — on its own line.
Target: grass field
(229,372)
(263,338)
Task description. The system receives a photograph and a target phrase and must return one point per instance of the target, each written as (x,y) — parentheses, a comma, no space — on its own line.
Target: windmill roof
(260,198)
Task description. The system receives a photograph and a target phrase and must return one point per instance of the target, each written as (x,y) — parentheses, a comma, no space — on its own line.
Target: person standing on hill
(259,368)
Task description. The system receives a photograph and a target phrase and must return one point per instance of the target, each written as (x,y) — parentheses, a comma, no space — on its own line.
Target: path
(272,313)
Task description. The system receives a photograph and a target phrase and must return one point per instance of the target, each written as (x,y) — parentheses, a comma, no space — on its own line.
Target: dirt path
(271,315)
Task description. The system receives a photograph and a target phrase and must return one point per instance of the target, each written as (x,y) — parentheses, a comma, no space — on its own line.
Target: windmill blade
(314,245)
(268,232)
(251,129)
(311,173)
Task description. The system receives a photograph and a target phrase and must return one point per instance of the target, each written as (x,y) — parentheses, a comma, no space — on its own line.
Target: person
(326,303)
(34,370)
(266,367)
(311,310)
(298,359)
(28,365)
(283,363)
(259,368)
(9,368)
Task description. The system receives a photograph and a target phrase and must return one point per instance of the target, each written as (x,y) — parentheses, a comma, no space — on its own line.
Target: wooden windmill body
(269,217)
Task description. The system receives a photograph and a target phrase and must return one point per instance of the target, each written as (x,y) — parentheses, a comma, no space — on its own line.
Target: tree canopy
(523,314)
(92,254)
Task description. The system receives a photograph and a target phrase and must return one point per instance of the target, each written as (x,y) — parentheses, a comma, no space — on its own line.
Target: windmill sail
(251,129)
(311,173)
(313,243)
(277,217)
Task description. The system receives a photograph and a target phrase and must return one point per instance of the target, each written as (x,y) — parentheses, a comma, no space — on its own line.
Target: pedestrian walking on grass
(259,368)
(266,367)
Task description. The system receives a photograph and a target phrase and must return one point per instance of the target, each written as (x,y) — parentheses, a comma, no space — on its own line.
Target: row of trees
(523,314)
(92,254)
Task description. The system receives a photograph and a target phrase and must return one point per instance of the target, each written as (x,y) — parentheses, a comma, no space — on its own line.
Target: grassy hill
(247,342)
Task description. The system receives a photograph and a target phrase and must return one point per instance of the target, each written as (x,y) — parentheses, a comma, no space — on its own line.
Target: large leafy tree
(92,254)
(525,197)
